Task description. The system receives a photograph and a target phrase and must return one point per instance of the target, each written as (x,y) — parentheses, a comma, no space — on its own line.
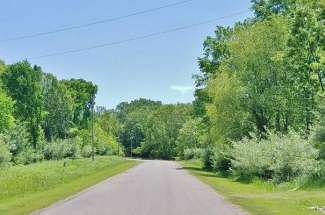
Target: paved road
(151,188)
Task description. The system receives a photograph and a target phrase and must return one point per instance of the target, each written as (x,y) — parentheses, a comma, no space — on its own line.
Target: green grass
(24,189)
(261,198)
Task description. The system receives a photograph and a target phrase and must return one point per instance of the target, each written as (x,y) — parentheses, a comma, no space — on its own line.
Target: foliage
(60,149)
(17,139)
(23,84)
(28,156)
(189,136)
(207,158)
(192,153)
(86,151)
(133,117)
(25,189)
(58,106)
(221,159)
(6,111)
(5,155)
(83,94)
(281,158)
(261,197)
(227,117)
(162,130)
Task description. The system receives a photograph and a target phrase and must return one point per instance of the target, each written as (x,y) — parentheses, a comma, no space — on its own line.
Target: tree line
(260,93)
(42,117)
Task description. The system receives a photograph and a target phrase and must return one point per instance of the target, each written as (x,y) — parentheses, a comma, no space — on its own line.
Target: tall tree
(83,95)
(58,106)
(24,84)
(304,56)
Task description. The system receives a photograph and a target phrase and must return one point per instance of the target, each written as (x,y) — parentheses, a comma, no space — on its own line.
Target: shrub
(281,158)
(207,158)
(295,157)
(28,157)
(319,141)
(5,155)
(221,161)
(103,149)
(194,153)
(86,151)
(60,149)
(17,139)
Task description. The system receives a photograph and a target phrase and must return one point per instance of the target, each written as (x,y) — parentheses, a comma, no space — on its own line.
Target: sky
(158,68)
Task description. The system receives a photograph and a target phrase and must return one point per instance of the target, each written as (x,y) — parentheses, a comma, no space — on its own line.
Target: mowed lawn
(24,189)
(260,198)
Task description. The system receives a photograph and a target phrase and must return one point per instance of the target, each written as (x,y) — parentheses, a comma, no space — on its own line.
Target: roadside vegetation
(258,197)
(28,188)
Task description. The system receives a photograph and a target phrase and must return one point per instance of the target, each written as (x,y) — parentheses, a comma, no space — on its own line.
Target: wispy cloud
(182,89)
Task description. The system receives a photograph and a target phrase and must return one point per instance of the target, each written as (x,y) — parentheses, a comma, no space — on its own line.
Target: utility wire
(98,22)
(138,37)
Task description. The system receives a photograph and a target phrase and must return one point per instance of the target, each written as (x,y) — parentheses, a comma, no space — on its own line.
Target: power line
(138,37)
(98,22)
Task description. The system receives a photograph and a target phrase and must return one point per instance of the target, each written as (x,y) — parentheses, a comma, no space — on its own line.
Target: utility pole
(92,133)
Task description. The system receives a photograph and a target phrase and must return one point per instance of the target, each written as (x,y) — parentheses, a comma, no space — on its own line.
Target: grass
(261,198)
(24,189)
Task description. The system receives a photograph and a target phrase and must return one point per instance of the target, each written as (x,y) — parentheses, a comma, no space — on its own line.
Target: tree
(303,57)
(189,136)
(215,52)
(6,111)
(133,118)
(162,129)
(266,8)
(229,119)
(83,94)
(23,84)
(2,66)
(58,106)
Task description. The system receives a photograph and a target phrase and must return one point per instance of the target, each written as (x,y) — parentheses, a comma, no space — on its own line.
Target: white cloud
(182,89)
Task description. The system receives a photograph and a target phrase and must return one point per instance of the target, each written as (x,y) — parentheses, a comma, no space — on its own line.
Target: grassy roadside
(28,188)
(261,198)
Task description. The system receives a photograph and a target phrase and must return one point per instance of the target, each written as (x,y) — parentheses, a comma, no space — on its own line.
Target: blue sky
(158,68)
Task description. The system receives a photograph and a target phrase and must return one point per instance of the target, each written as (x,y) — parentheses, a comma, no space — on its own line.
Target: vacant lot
(27,188)
(259,197)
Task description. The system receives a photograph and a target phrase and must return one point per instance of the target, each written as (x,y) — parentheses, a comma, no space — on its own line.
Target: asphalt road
(151,188)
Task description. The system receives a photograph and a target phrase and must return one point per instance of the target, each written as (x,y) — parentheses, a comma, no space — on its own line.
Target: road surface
(151,188)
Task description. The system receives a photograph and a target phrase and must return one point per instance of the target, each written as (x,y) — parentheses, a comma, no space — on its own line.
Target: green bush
(103,149)
(17,139)
(280,158)
(5,155)
(207,158)
(86,151)
(60,149)
(194,153)
(319,141)
(221,159)
(28,157)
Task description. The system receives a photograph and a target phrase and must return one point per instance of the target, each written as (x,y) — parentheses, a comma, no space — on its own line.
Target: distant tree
(162,130)
(133,118)
(2,66)
(189,136)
